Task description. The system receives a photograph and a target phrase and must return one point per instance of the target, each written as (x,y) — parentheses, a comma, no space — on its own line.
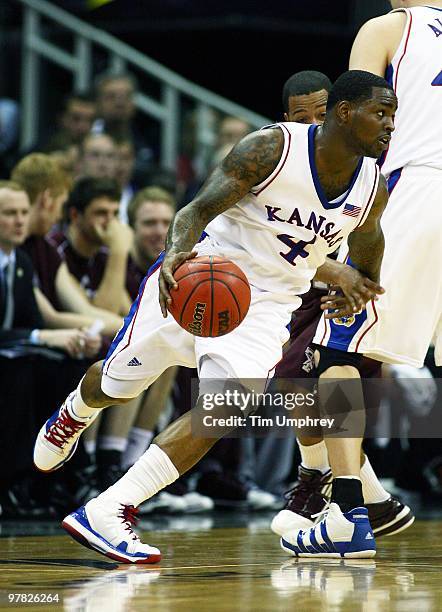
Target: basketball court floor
(219,562)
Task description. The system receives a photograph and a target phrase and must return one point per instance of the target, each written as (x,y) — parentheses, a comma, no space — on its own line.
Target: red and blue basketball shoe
(57,440)
(338,534)
(106,526)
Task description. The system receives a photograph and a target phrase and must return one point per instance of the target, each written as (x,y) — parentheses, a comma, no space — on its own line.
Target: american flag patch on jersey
(351,210)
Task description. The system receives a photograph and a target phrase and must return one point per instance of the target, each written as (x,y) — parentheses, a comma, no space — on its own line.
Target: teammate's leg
(345,530)
(344,453)
(311,492)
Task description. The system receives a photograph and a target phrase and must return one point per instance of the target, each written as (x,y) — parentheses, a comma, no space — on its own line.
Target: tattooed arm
(366,244)
(249,163)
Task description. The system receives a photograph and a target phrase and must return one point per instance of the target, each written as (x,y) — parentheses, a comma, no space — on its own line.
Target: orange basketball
(212,298)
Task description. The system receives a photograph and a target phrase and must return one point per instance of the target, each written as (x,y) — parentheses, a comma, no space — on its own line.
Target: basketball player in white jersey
(281,200)
(406,46)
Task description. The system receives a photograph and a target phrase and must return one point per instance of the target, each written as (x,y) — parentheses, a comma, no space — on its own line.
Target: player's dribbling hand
(166,280)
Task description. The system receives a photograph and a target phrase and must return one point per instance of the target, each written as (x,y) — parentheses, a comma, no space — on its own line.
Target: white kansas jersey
(415,73)
(282,231)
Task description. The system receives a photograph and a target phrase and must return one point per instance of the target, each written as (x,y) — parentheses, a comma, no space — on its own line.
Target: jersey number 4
(297,249)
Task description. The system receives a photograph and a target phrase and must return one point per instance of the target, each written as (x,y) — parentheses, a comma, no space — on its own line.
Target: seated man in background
(74,121)
(24,354)
(60,299)
(98,157)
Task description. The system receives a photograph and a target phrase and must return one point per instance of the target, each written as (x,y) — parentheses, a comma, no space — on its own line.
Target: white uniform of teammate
(279,234)
(399,327)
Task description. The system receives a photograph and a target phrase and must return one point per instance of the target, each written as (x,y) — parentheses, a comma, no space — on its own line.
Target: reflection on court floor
(219,563)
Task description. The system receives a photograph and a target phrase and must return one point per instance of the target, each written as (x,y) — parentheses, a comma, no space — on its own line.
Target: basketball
(212,298)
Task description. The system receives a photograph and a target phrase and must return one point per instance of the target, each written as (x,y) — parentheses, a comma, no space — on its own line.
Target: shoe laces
(320,515)
(129,516)
(63,428)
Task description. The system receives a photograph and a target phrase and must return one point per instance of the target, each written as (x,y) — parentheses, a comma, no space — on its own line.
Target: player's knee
(340,371)
(332,363)
(91,391)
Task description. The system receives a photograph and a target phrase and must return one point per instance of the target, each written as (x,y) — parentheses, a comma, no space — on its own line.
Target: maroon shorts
(298,358)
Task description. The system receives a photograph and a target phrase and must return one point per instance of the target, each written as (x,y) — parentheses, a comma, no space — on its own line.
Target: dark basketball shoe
(308,497)
(389,517)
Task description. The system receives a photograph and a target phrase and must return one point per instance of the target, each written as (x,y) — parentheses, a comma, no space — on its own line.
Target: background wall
(243,50)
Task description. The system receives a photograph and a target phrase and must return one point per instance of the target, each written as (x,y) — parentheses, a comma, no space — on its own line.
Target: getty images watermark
(349,408)
(247,401)
(237,408)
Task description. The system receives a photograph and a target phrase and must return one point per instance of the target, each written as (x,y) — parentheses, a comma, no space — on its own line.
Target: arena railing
(120,57)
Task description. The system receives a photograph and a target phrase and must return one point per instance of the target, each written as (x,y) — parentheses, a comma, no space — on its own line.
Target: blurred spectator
(23,353)
(231,130)
(74,121)
(67,156)
(150,213)
(115,97)
(161,177)
(98,157)
(198,141)
(124,175)
(47,186)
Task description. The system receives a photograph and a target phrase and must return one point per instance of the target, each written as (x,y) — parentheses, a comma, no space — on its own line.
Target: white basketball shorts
(148,344)
(401,325)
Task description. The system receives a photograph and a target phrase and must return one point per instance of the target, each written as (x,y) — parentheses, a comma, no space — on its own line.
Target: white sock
(138,442)
(315,457)
(372,489)
(151,473)
(77,408)
(111,443)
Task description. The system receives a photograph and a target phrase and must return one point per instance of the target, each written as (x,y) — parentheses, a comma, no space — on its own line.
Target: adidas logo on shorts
(134,362)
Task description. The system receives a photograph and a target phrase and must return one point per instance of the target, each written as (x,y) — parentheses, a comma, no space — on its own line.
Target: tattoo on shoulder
(255,157)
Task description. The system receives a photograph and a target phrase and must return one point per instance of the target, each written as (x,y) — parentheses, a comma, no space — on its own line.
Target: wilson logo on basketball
(223,322)
(198,315)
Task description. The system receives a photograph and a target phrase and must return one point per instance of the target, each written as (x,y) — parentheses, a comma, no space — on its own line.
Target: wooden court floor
(211,566)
